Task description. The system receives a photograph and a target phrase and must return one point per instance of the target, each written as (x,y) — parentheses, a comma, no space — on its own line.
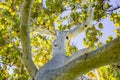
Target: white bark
(83,26)
(62,67)
(107,54)
(97,74)
(44,31)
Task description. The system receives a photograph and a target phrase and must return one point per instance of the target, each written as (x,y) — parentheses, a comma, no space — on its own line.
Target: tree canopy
(36,23)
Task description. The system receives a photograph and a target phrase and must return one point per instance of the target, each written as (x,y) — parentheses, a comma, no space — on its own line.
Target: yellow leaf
(12,12)
(9,45)
(39,1)
(14,33)
(16,75)
(104,16)
(91,74)
(117,24)
(3,6)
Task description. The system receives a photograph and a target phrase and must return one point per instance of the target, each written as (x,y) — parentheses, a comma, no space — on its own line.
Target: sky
(108,29)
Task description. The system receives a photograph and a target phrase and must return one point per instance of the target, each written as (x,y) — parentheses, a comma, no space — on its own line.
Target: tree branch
(44,31)
(113,9)
(80,28)
(107,54)
(25,38)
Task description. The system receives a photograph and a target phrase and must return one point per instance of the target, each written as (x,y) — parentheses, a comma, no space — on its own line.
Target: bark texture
(63,67)
(71,69)
(25,38)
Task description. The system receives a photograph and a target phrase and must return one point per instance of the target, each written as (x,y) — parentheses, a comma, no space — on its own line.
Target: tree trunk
(76,65)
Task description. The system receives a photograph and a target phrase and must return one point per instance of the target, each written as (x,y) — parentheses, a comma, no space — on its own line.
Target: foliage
(51,16)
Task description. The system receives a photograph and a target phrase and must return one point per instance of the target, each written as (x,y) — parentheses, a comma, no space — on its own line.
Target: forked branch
(80,64)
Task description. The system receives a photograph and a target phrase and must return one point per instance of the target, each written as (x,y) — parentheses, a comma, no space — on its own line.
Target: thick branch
(108,54)
(25,38)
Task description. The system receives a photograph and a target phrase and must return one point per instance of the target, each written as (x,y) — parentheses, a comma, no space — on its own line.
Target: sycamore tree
(35,38)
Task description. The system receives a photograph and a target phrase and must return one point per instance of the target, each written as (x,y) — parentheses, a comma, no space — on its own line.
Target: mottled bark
(71,69)
(25,38)
(63,67)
